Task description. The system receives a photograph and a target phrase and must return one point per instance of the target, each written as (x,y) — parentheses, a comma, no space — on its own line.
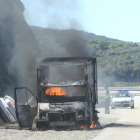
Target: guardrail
(135,91)
(121,88)
(137,94)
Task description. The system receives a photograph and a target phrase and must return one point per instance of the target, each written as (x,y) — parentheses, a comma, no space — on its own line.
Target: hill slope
(117,60)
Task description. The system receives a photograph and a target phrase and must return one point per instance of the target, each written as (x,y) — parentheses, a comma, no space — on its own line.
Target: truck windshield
(63,94)
(65,91)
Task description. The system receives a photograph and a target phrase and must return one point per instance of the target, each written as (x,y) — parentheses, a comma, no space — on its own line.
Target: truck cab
(66,95)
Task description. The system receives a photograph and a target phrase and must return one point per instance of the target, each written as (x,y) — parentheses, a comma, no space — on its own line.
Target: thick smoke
(73,45)
(62,14)
(24,54)
(23,49)
(22,46)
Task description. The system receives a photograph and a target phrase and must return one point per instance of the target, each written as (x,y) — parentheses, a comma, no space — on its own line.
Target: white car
(122,98)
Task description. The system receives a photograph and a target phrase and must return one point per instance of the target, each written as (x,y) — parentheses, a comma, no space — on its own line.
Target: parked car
(122,98)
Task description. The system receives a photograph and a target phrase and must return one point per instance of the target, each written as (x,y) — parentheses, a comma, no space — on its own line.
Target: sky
(118,19)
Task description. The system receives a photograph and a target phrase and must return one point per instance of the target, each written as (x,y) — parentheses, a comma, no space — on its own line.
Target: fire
(47,80)
(81,127)
(55,91)
(92,125)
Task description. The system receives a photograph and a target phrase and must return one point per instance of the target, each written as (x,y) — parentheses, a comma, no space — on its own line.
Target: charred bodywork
(66,94)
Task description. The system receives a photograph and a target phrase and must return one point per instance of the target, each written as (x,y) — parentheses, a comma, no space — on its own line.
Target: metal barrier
(135,91)
(121,88)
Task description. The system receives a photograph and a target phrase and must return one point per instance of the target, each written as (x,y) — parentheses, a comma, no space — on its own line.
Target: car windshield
(122,94)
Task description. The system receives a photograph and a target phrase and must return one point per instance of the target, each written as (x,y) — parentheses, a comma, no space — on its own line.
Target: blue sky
(118,19)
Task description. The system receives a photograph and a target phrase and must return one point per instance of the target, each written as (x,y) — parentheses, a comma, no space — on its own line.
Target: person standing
(107,100)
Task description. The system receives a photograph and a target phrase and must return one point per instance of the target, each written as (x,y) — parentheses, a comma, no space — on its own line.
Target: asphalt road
(101,100)
(121,123)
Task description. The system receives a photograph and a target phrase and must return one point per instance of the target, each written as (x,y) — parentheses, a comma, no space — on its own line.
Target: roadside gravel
(11,134)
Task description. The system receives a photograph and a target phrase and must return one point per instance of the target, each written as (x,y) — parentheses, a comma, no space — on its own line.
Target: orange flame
(92,125)
(47,80)
(81,127)
(55,91)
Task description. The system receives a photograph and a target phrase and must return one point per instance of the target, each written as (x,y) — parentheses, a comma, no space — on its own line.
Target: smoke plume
(61,15)
(22,46)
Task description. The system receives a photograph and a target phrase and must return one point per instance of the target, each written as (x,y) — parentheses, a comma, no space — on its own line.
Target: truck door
(26,105)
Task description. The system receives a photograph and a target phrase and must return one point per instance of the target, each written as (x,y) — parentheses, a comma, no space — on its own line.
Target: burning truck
(66,95)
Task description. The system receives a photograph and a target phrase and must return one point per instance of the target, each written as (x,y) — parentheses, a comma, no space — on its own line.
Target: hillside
(117,60)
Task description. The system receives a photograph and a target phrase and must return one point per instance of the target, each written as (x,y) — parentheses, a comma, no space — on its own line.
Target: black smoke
(19,48)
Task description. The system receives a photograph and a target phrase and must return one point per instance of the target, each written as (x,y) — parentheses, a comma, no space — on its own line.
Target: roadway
(121,123)
(101,100)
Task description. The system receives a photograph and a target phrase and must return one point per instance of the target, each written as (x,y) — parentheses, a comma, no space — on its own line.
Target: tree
(103,44)
(127,56)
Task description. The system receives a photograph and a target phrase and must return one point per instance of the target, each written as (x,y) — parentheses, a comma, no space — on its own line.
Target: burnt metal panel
(26,105)
(68,59)
(61,99)
(67,123)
